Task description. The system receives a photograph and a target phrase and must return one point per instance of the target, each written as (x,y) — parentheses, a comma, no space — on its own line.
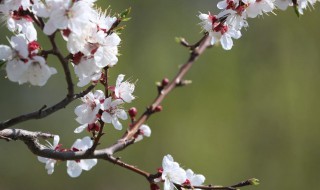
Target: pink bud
(158,108)
(165,82)
(133,112)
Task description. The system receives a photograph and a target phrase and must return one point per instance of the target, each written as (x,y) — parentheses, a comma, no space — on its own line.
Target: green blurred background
(250,112)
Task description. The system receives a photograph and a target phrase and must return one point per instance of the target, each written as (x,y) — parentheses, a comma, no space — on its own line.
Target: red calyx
(21,14)
(66,32)
(187,182)
(77,58)
(93,127)
(32,46)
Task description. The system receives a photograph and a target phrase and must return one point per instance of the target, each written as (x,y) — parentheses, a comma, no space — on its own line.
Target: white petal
(106,117)
(203,16)
(167,162)
(226,42)
(56,140)
(122,114)
(106,104)
(88,164)
(73,169)
(5,52)
(19,43)
(15,70)
(146,130)
(116,102)
(49,27)
(99,94)
(113,40)
(83,144)
(117,125)
(80,128)
(42,159)
(119,80)
(222,4)
(138,138)
(168,185)
(39,72)
(178,175)
(50,166)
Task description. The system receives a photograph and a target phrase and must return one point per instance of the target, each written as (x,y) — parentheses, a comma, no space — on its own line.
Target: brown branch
(122,143)
(247,182)
(31,139)
(64,61)
(41,113)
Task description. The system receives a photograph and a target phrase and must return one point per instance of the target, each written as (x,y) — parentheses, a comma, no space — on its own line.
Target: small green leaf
(178,39)
(126,19)
(125,13)
(254,181)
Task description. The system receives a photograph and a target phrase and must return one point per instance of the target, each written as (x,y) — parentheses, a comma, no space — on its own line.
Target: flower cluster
(234,13)
(74,167)
(97,107)
(173,174)
(86,30)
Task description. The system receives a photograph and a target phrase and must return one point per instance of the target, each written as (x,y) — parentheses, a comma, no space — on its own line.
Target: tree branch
(122,143)
(41,113)
(65,65)
(31,139)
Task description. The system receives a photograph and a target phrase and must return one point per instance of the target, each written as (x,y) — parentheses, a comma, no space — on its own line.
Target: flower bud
(133,112)
(165,82)
(158,108)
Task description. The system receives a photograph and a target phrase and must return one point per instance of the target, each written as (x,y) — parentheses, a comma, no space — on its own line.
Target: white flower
(74,168)
(70,15)
(15,4)
(112,111)
(144,130)
(256,8)
(22,65)
(87,71)
(38,72)
(43,8)
(194,179)
(106,54)
(228,4)
(124,90)
(219,32)
(87,112)
(50,162)
(301,4)
(84,42)
(172,173)
(283,4)
(19,22)
(103,21)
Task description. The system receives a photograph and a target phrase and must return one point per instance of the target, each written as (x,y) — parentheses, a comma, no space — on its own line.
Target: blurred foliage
(250,112)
